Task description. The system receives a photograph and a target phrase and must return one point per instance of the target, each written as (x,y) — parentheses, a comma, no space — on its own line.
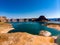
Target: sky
(30,8)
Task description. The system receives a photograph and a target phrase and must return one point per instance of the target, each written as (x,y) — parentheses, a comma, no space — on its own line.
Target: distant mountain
(41,19)
(54,19)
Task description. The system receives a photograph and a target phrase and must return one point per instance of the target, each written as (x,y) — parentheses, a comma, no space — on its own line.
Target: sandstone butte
(5,27)
(23,38)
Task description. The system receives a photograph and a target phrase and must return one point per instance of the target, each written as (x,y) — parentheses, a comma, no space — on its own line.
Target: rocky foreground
(22,38)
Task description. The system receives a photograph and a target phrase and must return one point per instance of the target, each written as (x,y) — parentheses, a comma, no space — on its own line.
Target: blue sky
(29,8)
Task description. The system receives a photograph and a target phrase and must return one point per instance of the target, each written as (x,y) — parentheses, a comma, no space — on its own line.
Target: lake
(32,27)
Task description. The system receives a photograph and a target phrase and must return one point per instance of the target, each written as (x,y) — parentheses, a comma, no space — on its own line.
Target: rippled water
(32,27)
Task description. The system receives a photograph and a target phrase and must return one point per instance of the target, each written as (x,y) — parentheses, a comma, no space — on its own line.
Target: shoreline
(20,38)
(53,25)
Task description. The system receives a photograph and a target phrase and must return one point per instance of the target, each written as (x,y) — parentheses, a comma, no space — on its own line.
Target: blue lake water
(32,27)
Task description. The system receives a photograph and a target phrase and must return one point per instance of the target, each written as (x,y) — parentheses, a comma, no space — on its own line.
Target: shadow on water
(32,27)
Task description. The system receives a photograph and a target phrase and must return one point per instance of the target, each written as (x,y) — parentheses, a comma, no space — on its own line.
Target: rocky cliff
(21,38)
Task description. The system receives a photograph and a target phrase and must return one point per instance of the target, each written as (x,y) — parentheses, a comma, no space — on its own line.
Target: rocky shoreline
(54,26)
(5,27)
(23,38)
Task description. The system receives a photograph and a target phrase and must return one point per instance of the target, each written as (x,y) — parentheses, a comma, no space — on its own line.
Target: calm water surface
(32,27)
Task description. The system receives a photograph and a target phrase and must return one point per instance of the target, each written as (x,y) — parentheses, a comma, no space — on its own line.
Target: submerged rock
(5,27)
(45,33)
(21,38)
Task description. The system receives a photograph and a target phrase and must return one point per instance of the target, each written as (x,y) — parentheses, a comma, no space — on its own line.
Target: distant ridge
(40,18)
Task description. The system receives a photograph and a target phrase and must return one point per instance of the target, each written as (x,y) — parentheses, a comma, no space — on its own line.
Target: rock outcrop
(45,33)
(5,27)
(42,19)
(55,26)
(21,38)
(3,19)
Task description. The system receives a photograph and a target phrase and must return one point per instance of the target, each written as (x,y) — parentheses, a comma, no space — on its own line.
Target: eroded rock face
(24,39)
(5,27)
